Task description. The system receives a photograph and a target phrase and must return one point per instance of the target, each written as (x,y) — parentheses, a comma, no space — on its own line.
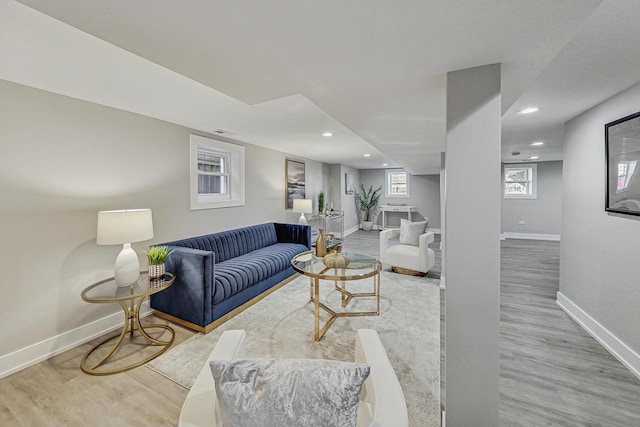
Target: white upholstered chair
(407,258)
(382,401)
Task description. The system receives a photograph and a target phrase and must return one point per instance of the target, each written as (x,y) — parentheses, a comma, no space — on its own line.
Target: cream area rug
(281,325)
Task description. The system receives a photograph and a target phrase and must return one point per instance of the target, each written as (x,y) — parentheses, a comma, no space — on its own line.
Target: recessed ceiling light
(537,143)
(367,155)
(528,110)
(533,158)
(385,164)
(327,134)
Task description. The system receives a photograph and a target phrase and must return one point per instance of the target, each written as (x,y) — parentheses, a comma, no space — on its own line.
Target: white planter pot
(367,225)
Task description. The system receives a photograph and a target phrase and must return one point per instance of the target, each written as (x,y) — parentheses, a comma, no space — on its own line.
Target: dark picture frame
(622,152)
(294,172)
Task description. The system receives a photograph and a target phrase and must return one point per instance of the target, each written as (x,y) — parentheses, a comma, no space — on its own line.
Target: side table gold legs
(131,324)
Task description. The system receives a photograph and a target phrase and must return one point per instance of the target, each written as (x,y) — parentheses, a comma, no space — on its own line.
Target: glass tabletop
(359,266)
(107,290)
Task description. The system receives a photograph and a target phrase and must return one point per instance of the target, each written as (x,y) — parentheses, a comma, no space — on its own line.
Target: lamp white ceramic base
(302,219)
(127,269)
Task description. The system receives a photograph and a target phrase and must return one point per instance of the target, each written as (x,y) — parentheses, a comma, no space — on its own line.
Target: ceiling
(373,72)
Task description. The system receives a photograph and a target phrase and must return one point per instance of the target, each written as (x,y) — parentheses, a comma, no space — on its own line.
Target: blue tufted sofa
(218,273)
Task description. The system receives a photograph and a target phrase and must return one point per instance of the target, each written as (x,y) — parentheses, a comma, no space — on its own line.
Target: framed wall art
(622,152)
(295,182)
(348,183)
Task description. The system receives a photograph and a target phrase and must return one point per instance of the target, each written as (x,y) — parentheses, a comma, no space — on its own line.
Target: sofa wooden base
(407,271)
(219,321)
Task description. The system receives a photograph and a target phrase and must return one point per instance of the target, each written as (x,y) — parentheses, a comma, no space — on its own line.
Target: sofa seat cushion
(236,274)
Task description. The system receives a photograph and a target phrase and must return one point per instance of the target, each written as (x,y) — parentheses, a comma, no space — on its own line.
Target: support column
(472,247)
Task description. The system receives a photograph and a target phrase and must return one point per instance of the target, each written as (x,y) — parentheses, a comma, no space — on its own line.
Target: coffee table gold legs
(346,297)
(131,324)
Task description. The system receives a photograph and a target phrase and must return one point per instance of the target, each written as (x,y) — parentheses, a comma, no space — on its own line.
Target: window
(520,181)
(397,183)
(217,173)
(625,173)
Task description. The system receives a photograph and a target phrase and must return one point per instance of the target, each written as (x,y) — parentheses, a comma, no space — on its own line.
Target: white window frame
(388,175)
(531,182)
(235,175)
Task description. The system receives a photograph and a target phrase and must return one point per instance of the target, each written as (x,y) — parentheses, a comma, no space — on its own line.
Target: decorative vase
(156,271)
(321,244)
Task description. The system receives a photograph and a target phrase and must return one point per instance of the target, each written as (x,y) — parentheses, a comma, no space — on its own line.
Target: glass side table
(106,291)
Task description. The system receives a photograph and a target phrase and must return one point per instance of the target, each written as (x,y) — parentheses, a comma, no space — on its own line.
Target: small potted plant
(321,203)
(156,256)
(367,203)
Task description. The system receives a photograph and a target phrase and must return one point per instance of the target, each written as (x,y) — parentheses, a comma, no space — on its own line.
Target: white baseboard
(43,350)
(530,236)
(351,230)
(610,342)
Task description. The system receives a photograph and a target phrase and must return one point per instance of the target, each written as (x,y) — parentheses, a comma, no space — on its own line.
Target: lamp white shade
(302,206)
(124,227)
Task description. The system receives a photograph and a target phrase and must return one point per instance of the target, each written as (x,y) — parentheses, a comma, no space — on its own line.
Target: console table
(395,208)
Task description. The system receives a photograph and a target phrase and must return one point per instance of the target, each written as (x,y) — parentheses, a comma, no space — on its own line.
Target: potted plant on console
(367,203)
(156,256)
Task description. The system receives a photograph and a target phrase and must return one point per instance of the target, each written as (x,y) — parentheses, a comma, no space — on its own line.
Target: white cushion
(288,392)
(410,231)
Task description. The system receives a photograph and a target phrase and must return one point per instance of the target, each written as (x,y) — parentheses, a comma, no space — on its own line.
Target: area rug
(281,325)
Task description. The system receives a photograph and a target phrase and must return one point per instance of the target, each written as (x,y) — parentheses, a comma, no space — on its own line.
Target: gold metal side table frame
(106,291)
(338,274)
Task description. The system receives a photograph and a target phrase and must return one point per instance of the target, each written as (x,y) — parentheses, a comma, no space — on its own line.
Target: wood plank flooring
(552,372)
(57,393)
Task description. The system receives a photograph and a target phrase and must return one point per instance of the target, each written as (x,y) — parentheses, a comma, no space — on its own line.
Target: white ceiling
(279,73)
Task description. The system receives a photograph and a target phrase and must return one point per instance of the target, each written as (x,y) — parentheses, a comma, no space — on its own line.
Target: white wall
(599,252)
(347,204)
(424,193)
(541,215)
(63,160)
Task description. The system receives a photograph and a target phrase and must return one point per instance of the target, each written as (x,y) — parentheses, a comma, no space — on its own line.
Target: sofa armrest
(382,391)
(191,296)
(293,233)
(199,408)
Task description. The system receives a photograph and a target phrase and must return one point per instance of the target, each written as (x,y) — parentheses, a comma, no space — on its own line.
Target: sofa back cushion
(232,243)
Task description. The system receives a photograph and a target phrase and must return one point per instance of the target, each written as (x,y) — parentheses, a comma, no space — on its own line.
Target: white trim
(629,358)
(530,236)
(43,350)
(442,281)
(351,230)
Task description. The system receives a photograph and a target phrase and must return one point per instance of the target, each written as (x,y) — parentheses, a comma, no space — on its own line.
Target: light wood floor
(552,372)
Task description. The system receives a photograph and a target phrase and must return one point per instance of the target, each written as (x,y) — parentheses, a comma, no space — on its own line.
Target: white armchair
(382,402)
(407,258)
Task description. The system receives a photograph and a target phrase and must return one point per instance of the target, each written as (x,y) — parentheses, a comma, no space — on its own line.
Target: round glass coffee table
(106,291)
(359,267)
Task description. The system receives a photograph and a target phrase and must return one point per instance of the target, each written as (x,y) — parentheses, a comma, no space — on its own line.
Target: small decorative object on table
(156,256)
(321,244)
(335,259)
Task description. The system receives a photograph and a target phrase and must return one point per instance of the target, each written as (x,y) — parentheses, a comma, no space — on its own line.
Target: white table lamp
(125,227)
(302,206)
